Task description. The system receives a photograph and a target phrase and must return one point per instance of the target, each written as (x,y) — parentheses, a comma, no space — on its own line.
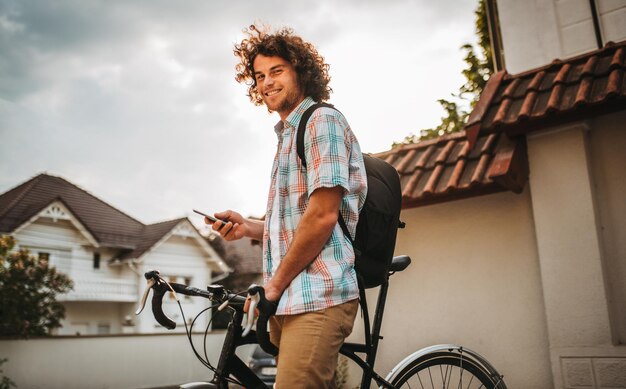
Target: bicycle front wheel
(446,369)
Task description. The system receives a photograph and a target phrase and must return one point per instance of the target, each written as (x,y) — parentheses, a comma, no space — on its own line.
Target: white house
(105,252)
(517,227)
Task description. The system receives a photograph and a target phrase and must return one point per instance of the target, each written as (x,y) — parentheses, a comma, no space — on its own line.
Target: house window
(96,260)
(43,257)
(104,328)
(179,279)
(172,279)
(188,282)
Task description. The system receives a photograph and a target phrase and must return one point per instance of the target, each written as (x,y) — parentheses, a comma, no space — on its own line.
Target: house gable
(102,226)
(156,235)
(56,211)
(108,226)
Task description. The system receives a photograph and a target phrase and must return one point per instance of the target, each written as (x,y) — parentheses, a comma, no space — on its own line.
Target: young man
(308,261)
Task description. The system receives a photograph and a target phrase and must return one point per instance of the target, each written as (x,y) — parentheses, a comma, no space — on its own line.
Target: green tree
(479,69)
(28,290)
(5,382)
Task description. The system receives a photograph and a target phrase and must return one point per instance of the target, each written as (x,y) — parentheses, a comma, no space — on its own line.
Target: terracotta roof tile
(447,168)
(583,86)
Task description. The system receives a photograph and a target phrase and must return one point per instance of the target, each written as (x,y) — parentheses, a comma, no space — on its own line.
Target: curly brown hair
(312,71)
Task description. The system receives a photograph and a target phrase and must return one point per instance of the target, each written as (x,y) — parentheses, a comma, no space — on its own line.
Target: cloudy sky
(136,102)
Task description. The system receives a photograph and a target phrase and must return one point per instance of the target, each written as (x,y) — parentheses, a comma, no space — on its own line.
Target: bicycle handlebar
(266,309)
(214,293)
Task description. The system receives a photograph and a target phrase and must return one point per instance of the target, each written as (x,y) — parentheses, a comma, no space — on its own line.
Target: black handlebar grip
(157,310)
(263,336)
(266,309)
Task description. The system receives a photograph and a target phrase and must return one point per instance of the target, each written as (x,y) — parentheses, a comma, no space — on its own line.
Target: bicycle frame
(372,338)
(230,364)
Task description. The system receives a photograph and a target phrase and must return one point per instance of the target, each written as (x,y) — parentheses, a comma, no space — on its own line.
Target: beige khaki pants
(309,345)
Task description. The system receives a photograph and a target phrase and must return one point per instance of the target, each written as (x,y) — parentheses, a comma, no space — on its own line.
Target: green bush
(28,290)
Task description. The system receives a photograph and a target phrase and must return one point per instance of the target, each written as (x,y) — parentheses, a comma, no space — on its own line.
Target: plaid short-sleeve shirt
(333,159)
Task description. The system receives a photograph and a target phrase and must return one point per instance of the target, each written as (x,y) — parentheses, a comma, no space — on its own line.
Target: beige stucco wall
(580,272)
(474,281)
(607,152)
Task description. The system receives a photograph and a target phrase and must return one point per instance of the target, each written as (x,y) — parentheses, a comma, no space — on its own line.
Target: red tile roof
(447,168)
(576,88)
(491,155)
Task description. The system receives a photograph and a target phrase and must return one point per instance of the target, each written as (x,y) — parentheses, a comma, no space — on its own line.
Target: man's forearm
(255,229)
(307,244)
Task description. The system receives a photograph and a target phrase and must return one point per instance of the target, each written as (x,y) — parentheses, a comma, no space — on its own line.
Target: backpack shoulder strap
(300,149)
(302,128)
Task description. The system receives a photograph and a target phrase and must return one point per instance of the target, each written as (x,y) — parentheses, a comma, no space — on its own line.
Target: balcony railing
(102,290)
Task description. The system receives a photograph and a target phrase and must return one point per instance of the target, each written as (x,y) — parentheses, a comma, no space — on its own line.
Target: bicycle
(439,366)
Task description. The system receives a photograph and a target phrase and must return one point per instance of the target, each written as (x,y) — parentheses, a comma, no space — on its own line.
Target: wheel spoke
(448,379)
(470,382)
(453,371)
(420,380)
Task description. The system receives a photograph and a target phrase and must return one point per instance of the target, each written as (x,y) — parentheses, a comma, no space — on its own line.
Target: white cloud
(137,103)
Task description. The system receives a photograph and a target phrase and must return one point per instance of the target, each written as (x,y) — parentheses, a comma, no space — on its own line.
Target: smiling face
(277,83)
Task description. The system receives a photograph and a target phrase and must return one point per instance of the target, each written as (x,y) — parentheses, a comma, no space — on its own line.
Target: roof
(490,156)
(563,91)
(447,168)
(109,226)
(150,235)
(242,255)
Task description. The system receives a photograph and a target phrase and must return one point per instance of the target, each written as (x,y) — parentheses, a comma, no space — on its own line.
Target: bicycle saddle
(400,263)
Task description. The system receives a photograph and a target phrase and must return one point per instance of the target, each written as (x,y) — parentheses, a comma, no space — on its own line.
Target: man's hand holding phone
(208,219)
(232,226)
(227,223)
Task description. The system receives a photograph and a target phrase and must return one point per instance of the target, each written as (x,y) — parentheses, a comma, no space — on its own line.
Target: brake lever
(160,286)
(254,301)
(144,298)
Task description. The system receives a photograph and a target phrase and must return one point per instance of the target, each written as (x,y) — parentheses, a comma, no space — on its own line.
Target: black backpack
(379,219)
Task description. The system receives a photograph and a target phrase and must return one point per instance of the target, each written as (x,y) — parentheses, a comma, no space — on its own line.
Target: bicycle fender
(438,348)
(198,385)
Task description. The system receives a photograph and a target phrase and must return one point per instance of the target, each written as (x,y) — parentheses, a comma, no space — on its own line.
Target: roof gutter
(495,37)
(596,23)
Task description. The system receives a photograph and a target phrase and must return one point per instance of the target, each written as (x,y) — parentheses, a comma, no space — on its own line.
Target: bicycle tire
(445,369)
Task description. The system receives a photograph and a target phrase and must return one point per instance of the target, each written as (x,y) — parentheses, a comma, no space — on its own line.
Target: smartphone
(211,218)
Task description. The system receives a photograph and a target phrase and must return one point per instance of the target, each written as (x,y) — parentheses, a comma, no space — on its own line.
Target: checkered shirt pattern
(333,158)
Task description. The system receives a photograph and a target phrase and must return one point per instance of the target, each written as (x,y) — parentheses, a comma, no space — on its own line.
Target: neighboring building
(105,252)
(517,227)
(244,257)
